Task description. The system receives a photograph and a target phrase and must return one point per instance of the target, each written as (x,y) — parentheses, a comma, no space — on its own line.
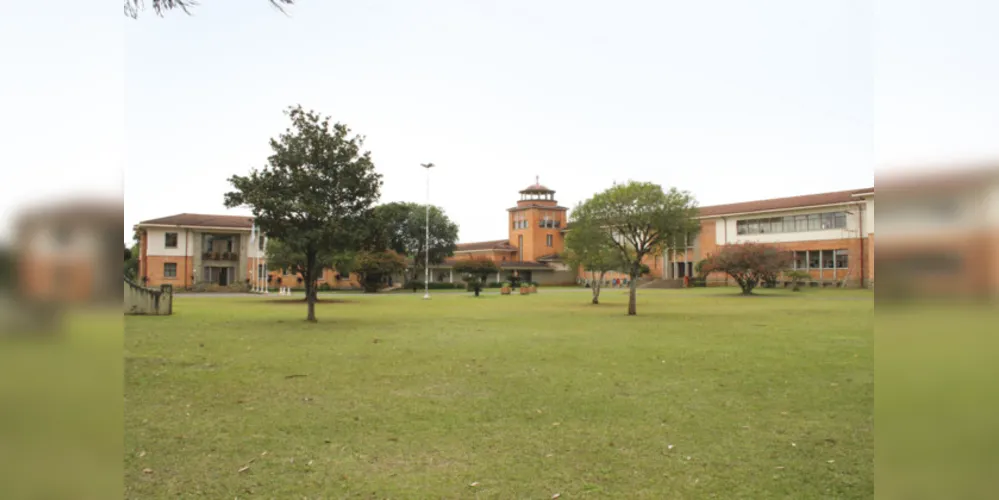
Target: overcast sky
(732,100)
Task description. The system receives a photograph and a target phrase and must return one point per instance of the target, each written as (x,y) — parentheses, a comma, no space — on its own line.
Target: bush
(497,284)
(325,287)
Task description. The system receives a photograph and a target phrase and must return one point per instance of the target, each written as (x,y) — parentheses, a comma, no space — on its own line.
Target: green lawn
(705,394)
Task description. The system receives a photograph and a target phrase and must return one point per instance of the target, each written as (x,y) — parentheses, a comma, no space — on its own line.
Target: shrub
(325,287)
(749,264)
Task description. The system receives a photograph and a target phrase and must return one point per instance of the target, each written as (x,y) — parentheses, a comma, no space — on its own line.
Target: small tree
(589,247)
(315,193)
(641,219)
(476,272)
(749,263)
(797,278)
(374,267)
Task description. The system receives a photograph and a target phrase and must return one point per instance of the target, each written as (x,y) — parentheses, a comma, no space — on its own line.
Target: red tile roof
(486,245)
(203,220)
(808,200)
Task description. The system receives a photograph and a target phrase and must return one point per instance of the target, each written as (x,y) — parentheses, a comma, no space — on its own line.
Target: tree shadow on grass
(301,301)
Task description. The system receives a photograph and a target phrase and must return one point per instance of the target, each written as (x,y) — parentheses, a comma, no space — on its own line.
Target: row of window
(821,259)
(792,223)
(209,242)
(548,220)
(536,196)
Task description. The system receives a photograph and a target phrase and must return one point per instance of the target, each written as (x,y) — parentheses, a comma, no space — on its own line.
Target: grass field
(705,394)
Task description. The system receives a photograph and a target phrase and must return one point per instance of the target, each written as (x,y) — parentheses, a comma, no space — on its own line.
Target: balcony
(226,256)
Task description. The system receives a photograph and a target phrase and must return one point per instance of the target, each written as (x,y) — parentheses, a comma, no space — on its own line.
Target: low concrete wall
(141,300)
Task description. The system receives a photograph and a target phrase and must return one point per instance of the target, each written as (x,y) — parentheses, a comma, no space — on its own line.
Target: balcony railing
(220,256)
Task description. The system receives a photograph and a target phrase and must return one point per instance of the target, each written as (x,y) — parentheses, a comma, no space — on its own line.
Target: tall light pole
(426,246)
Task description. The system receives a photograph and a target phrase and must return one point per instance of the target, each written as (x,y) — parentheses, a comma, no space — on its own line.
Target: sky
(731,100)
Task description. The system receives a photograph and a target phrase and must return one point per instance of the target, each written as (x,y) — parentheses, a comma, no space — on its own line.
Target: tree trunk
(596,287)
(310,297)
(633,288)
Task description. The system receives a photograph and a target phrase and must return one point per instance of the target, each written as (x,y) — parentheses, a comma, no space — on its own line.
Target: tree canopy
(591,248)
(160,7)
(475,272)
(315,194)
(749,263)
(401,227)
(375,267)
(641,219)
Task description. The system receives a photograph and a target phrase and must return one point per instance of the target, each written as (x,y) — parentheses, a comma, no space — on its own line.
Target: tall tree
(315,194)
(401,227)
(160,7)
(641,219)
(589,247)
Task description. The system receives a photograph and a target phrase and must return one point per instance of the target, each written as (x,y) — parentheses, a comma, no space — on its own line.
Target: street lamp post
(426,246)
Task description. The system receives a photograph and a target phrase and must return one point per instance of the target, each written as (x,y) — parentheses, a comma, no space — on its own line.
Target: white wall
(156,243)
(852,226)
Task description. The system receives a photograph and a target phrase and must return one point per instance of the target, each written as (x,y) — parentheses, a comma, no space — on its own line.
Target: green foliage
(640,218)
(402,227)
(589,246)
(797,278)
(374,268)
(475,272)
(315,194)
(699,268)
(750,263)
(131,265)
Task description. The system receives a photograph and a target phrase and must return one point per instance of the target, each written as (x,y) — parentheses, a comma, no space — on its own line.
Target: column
(498,278)
(450,276)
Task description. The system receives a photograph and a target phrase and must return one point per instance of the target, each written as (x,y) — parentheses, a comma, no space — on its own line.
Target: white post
(426,249)
(450,276)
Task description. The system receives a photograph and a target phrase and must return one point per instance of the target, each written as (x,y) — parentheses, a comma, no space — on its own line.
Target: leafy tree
(131,265)
(476,272)
(591,248)
(641,219)
(797,278)
(315,193)
(401,227)
(749,263)
(374,267)
(132,7)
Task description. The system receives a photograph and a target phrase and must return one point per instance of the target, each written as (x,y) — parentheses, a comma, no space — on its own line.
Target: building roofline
(189,226)
(775,210)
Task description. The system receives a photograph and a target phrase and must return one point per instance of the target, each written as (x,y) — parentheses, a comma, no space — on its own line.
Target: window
(801,223)
(827,220)
(827,259)
(788,224)
(800,260)
(170,269)
(260,242)
(813,260)
(170,240)
(814,222)
(842,259)
(839,220)
(548,241)
(740,227)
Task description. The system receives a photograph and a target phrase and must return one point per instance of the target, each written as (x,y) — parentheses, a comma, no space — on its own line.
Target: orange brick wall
(535,241)
(852,245)
(154,271)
